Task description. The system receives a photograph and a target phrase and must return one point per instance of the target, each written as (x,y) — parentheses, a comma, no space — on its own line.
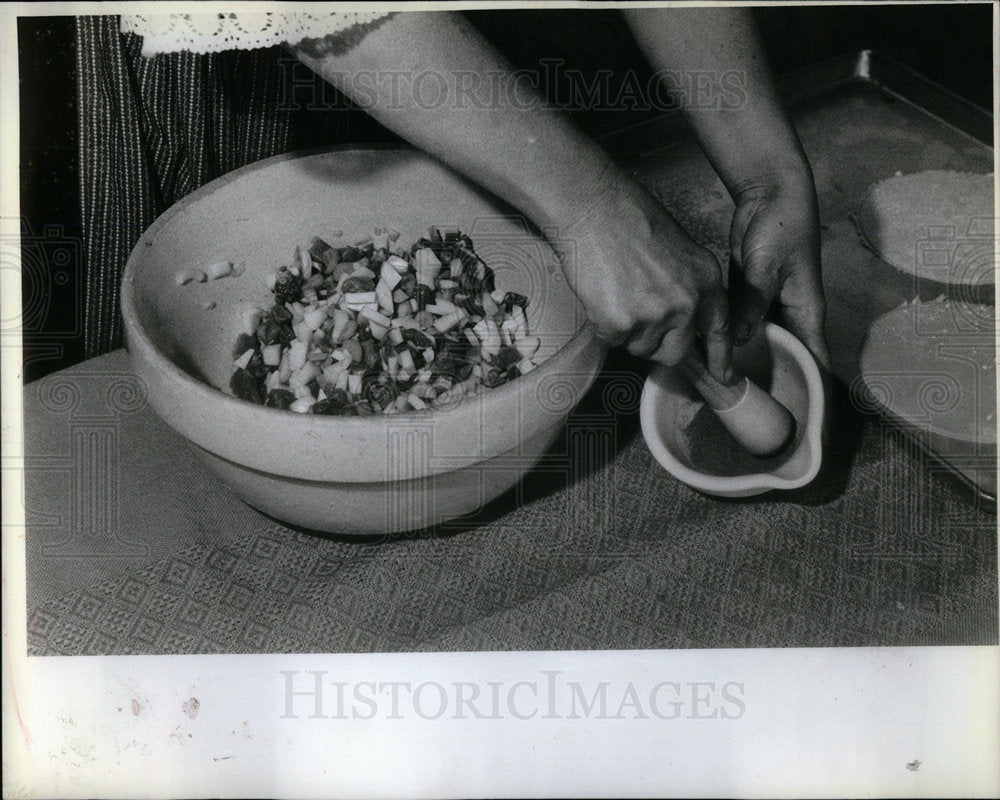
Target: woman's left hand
(775,255)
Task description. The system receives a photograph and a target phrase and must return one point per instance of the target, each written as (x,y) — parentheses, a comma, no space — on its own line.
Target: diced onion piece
(389,275)
(362,271)
(251,319)
(185,276)
(314,317)
(393,366)
(445,283)
(489,306)
(272,381)
(302,330)
(397,263)
(424,391)
(354,382)
(271,354)
(424,375)
(342,380)
(244,359)
(527,346)
(400,296)
(302,404)
(304,260)
(332,372)
(340,354)
(375,318)
(396,334)
(497,296)
(428,355)
(404,322)
(380,240)
(270,278)
(427,266)
(449,321)
(489,335)
(359,298)
(424,259)
(525,366)
(415,402)
(285,367)
(384,295)
(473,340)
(340,320)
(308,371)
(455,267)
(406,361)
(219,269)
(378,331)
(508,328)
(297,354)
(441,307)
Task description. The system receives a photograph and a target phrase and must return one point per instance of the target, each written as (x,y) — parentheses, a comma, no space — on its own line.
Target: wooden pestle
(762,425)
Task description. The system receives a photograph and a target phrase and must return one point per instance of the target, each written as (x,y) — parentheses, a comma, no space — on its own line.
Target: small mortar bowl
(781,365)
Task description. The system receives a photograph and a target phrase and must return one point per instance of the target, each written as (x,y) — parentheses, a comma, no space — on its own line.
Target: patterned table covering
(134,548)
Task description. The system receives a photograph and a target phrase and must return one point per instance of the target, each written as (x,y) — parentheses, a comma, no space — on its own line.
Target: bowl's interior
(255,216)
(780,370)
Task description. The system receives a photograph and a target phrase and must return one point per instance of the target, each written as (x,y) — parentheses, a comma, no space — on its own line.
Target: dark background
(950,44)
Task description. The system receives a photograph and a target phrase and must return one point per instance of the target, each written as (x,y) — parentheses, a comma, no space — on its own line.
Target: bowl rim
(753,483)
(137,337)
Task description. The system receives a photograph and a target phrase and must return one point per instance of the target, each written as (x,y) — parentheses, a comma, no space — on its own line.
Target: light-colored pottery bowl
(781,365)
(349,475)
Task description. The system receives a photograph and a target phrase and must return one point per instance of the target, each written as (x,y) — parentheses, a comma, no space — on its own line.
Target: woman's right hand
(643,281)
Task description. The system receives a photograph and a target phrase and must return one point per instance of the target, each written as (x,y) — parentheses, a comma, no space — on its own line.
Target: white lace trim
(212,33)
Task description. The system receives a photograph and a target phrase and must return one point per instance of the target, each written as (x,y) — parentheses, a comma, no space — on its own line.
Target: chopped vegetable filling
(363,329)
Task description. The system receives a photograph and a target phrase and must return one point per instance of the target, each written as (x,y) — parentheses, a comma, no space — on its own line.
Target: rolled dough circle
(933,365)
(937,225)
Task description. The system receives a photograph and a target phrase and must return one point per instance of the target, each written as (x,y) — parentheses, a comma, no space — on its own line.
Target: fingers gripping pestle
(762,425)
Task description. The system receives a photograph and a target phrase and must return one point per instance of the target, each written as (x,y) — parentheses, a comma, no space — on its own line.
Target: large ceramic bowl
(350,475)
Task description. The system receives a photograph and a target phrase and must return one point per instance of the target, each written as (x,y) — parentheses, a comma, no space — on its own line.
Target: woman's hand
(645,284)
(774,247)
(753,147)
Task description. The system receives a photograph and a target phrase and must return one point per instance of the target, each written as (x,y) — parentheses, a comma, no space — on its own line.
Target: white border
(836,722)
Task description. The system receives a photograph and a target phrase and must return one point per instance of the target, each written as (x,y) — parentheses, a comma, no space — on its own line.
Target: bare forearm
(430,78)
(747,140)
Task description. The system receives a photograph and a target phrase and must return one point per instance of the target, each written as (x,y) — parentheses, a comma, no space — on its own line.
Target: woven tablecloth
(134,547)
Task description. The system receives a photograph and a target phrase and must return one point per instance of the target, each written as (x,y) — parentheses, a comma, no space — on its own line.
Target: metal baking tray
(868,66)
(900,82)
